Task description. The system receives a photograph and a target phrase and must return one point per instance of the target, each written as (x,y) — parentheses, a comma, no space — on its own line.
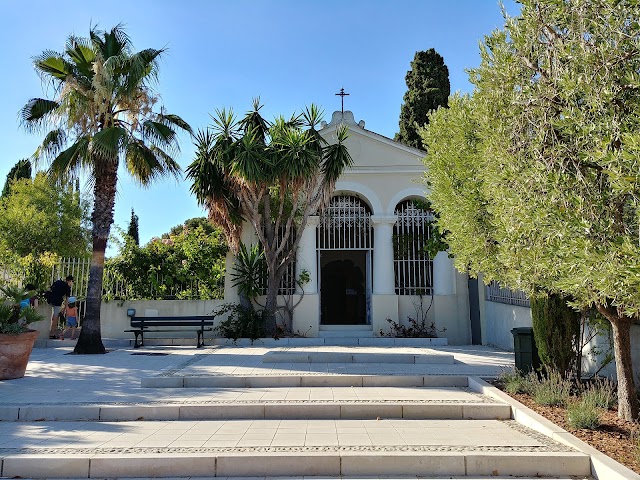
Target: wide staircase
(330,412)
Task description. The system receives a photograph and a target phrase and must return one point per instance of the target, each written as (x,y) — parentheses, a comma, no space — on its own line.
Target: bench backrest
(191,321)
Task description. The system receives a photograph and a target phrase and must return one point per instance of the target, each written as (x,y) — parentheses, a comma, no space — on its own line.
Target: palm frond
(249,160)
(52,144)
(170,119)
(255,123)
(158,133)
(147,164)
(69,161)
(107,143)
(37,112)
(81,52)
(313,115)
(52,64)
(336,157)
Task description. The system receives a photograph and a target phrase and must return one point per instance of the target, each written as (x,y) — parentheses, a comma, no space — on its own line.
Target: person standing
(60,290)
(72,318)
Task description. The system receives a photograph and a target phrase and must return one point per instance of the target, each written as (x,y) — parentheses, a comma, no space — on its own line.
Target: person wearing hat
(72,318)
(60,290)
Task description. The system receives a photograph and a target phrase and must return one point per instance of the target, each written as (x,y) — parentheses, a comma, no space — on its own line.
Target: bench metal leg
(200,338)
(141,343)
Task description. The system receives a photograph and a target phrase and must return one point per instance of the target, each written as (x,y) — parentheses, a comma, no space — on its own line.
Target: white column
(383,276)
(444,275)
(307,255)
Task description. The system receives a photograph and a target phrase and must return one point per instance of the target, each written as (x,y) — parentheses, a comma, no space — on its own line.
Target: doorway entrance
(343,287)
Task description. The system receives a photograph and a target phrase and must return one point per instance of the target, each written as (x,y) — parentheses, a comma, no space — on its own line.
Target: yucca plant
(14,318)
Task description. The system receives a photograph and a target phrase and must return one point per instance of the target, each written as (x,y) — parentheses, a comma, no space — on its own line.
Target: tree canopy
(22,169)
(551,158)
(271,174)
(427,89)
(104,111)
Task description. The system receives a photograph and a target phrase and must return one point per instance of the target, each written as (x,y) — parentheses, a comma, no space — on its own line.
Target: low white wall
(114,320)
(499,319)
(592,361)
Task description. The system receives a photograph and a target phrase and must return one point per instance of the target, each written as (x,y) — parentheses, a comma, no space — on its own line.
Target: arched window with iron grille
(413,267)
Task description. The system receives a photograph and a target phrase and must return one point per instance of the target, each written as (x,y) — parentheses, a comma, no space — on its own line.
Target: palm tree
(103,112)
(274,175)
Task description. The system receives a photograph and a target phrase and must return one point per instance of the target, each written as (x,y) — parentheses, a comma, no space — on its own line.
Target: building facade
(364,254)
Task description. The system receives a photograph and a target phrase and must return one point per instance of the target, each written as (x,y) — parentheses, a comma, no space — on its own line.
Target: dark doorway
(343,295)
(474,311)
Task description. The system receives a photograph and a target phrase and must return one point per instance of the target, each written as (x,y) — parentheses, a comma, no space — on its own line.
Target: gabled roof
(348,119)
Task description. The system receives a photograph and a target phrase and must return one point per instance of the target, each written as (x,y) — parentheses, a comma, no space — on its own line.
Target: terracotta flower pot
(14,353)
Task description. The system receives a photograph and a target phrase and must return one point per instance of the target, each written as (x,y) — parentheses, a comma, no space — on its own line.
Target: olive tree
(556,101)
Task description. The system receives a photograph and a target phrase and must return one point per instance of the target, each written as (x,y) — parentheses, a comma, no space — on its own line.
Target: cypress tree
(133,228)
(427,89)
(555,328)
(22,169)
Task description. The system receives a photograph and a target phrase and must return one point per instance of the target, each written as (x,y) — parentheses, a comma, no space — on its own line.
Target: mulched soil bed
(614,437)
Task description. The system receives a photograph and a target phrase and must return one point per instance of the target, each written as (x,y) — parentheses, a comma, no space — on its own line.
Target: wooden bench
(141,325)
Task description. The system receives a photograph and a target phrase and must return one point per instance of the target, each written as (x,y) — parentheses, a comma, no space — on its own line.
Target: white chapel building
(364,253)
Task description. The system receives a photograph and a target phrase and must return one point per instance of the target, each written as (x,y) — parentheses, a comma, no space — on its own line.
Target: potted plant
(16,339)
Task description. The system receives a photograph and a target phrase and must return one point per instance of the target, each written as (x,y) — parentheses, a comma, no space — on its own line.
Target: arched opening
(345,241)
(413,268)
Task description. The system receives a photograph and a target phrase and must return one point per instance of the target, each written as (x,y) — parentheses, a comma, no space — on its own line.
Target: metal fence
(495,293)
(114,287)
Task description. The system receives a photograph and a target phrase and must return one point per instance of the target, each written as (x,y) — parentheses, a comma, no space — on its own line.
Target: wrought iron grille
(495,293)
(345,225)
(412,265)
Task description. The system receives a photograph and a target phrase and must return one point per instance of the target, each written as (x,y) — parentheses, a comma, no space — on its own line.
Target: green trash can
(524,346)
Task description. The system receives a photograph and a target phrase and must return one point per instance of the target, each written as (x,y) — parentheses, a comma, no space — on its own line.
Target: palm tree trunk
(90,340)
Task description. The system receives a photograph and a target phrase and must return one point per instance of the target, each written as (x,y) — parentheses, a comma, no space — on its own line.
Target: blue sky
(222,53)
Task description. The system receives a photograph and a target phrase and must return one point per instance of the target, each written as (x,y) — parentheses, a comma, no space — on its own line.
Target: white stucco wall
(500,318)
(114,320)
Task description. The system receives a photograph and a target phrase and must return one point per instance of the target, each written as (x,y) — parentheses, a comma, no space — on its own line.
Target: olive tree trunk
(627,396)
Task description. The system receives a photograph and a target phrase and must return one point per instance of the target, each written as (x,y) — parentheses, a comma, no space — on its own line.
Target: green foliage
(105,112)
(556,327)
(189,264)
(583,413)
(248,273)
(132,231)
(601,392)
(514,381)
(427,89)
(548,158)
(242,322)
(38,217)
(22,169)
(14,319)
(274,175)
(416,329)
(551,389)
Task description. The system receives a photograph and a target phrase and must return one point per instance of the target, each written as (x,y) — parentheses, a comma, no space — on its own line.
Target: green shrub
(515,381)
(601,392)
(552,389)
(555,328)
(583,413)
(242,322)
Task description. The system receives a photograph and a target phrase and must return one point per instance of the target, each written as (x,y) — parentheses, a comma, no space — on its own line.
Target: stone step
(313,463)
(302,380)
(363,339)
(283,448)
(345,331)
(348,357)
(344,410)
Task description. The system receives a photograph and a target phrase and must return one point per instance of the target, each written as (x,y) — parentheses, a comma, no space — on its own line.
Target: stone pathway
(229,411)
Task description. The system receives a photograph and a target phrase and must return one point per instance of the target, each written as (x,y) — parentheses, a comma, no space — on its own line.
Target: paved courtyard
(228,411)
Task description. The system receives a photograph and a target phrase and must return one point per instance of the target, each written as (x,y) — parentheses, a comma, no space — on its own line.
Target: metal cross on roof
(342,95)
